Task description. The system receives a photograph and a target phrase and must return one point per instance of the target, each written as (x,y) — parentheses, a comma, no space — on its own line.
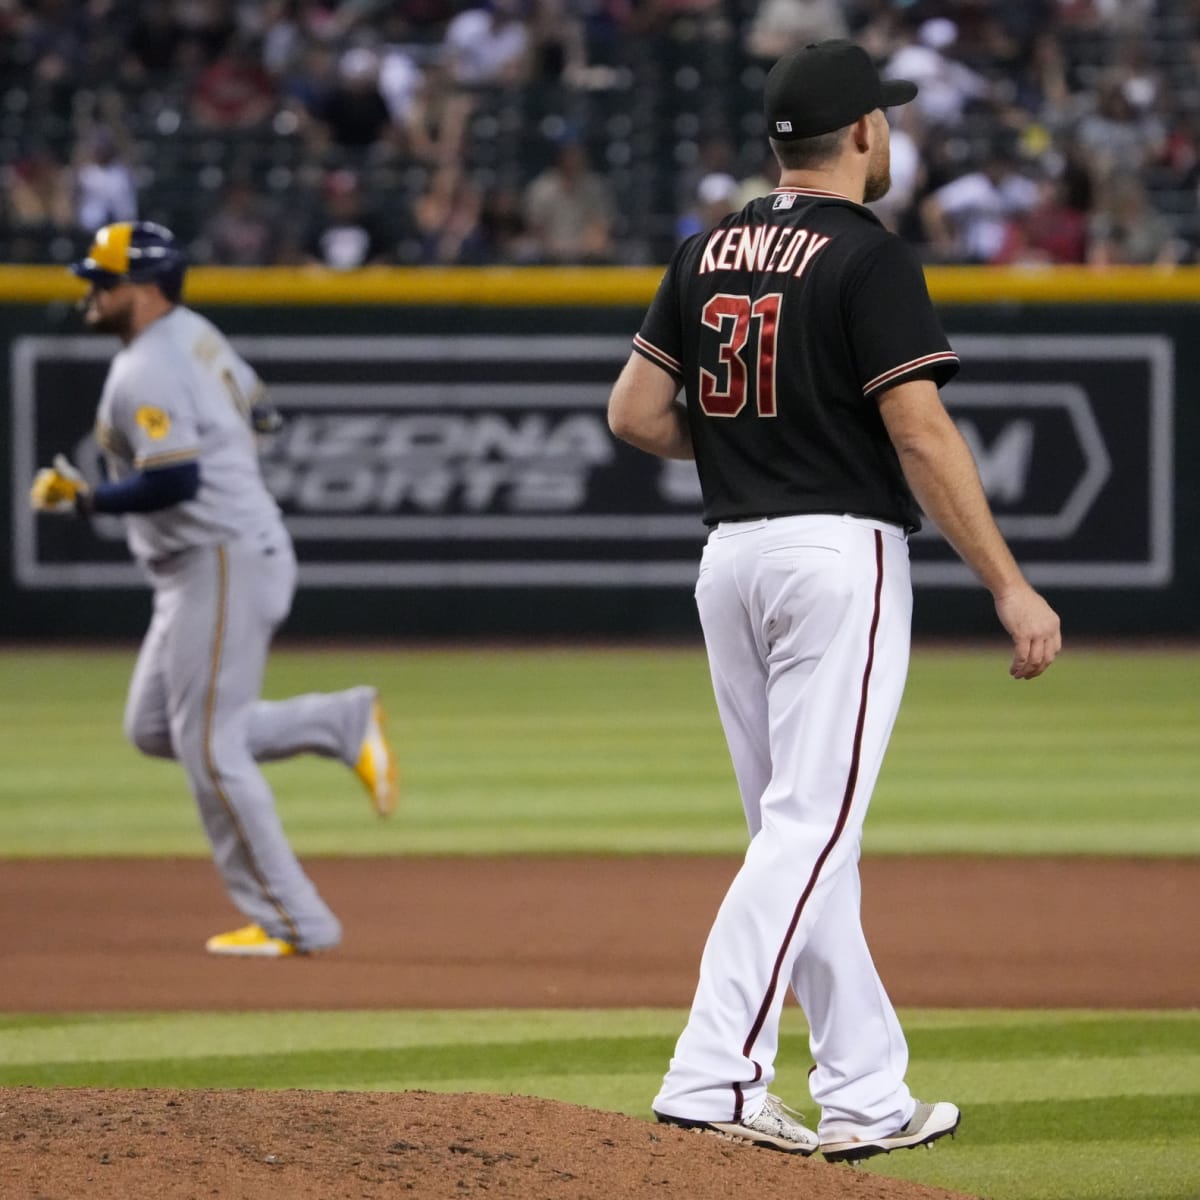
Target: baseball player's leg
(348,725)
(739,680)
(147,722)
(810,595)
(329,724)
(855,1037)
(228,602)
(856,1040)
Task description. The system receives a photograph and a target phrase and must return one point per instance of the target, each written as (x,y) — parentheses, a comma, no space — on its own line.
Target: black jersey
(784,323)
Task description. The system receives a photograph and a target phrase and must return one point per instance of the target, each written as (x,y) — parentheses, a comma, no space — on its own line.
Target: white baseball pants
(807,623)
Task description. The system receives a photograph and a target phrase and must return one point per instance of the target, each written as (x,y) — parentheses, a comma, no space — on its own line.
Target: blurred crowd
(353,132)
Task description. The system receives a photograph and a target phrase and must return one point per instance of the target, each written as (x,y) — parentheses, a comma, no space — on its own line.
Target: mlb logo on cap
(783,127)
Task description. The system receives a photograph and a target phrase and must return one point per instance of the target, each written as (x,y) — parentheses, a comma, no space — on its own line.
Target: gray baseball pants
(195,697)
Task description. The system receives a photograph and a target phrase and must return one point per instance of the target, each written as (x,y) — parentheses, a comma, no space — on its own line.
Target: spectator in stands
(1178,162)
(153,42)
(1105,16)
(209,25)
(1126,229)
(1141,82)
(715,155)
(607,26)
(489,46)
(1116,137)
(716,197)
(418,22)
(53,37)
(447,217)
(506,238)
(277,24)
(966,220)
(947,87)
(354,113)
(234,91)
(436,121)
(1041,85)
(780,26)
(104,188)
(762,181)
(400,78)
(37,187)
(569,209)
(307,86)
(242,231)
(346,233)
(1052,72)
(1051,232)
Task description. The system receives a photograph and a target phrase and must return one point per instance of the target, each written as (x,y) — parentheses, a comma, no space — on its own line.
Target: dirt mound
(298,1145)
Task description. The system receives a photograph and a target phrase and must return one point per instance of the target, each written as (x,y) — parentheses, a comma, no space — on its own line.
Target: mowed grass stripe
(933,1034)
(619,750)
(525,1060)
(1078,1060)
(1089,1036)
(1064,1076)
(1155,1120)
(74,1037)
(1046,1168)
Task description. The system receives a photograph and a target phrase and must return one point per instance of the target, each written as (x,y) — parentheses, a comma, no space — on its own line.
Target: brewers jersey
(179,392)
(784,324)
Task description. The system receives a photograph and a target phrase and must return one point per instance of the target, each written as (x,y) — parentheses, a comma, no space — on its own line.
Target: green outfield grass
(1057,1106)
(620,751)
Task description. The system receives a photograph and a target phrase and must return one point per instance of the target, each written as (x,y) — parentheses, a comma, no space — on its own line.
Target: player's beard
(116,318)
(877,186)
(879,167)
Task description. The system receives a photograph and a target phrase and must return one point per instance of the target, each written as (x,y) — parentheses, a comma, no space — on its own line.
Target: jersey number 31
(723,394)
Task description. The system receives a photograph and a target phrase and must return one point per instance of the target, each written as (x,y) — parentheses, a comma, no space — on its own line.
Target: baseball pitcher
(810,358)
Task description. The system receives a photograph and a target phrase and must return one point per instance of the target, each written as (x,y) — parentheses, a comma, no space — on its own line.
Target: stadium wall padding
(446,469)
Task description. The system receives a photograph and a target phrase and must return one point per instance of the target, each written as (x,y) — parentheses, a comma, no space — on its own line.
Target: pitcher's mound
(302,1145)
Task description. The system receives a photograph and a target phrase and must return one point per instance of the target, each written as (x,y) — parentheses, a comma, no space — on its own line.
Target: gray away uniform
(223,573)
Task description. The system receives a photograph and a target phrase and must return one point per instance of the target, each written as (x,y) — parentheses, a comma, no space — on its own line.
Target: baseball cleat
(928,1123)
(773,1127)
(251,941)
(376,765)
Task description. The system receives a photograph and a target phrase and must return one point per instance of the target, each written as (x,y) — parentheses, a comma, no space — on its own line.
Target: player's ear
(861,134)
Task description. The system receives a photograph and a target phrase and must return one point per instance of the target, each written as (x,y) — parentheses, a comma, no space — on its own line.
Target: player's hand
(265,418)
(57,489)
(1034,628)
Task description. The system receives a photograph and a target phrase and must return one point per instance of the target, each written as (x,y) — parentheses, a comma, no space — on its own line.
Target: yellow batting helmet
(135,252)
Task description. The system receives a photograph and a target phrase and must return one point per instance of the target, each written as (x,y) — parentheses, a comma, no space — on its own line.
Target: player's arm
(644,412)
(940,470)
(148,490)
(63,489)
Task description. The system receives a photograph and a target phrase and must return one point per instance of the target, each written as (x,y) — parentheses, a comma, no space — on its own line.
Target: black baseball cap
(826,86)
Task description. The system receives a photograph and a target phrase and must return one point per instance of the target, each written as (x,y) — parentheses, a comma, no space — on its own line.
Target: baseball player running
(810,357)
(176,422)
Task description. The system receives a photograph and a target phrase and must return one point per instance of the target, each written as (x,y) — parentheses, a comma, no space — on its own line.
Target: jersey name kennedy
(784,249)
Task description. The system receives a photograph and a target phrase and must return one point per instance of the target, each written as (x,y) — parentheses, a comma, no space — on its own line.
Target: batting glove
(59,489)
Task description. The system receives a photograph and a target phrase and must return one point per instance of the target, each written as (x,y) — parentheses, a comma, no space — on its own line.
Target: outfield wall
(446,469)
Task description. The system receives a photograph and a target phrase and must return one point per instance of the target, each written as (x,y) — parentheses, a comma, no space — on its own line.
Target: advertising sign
(486,460)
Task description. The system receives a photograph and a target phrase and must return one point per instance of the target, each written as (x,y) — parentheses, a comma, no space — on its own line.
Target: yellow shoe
(376,765)
(251,941)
